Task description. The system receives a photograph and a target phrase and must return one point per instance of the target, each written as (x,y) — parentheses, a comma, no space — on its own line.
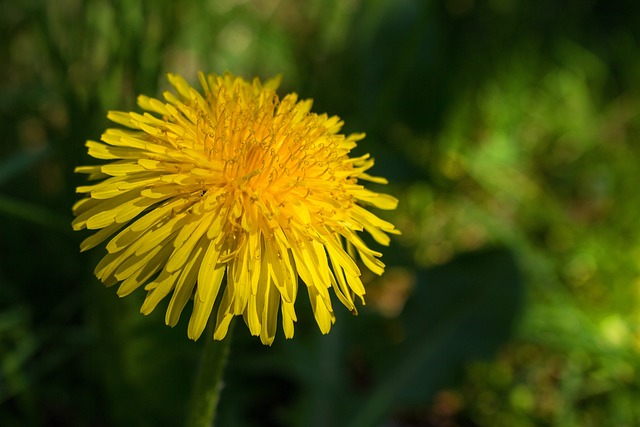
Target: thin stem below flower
(208,382)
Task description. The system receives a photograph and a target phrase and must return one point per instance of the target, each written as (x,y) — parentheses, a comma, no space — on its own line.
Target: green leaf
(34,213)
(460,311)
(20,162)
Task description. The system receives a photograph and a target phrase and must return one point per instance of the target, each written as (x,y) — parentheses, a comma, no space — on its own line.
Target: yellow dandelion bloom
(234,192)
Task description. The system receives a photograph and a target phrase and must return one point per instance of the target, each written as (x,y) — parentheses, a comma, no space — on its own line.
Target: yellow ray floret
(228,198)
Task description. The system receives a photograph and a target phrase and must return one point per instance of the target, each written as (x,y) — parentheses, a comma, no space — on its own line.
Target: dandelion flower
(232,192)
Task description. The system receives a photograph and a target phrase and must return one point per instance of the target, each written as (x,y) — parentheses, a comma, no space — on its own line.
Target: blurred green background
(510,132)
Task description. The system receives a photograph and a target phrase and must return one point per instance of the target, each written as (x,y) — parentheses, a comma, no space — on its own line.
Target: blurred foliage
(508,129)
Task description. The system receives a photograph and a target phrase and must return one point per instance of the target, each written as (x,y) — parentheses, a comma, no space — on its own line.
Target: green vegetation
(509,130)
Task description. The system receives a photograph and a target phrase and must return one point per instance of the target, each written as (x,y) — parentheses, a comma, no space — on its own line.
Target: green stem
(208,382)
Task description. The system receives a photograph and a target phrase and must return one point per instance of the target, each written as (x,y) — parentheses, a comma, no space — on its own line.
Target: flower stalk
(208,383)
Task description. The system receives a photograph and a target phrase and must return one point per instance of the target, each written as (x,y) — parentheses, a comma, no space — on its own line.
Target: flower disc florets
(236,184)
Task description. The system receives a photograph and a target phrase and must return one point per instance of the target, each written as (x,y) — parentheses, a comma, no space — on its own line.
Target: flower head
(234,192)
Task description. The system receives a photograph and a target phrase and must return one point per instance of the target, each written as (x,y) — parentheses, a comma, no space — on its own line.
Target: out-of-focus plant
(543,159)
(509,128)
